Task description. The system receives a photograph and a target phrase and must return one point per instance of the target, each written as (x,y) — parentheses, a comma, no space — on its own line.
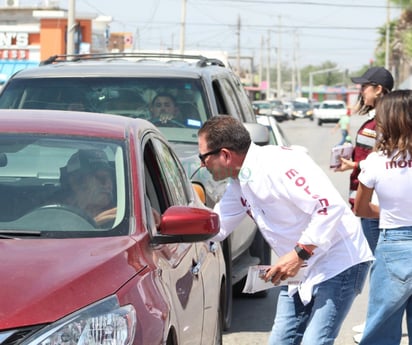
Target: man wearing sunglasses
(304,220)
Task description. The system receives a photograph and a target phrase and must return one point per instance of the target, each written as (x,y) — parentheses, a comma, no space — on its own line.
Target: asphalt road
(253,317)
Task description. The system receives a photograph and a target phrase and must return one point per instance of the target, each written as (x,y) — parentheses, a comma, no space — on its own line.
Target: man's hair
(163,94)
(226,131)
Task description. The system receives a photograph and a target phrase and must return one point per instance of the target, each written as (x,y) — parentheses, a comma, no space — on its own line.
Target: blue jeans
(370,227)
(390,291)
(344,133)
(319,322)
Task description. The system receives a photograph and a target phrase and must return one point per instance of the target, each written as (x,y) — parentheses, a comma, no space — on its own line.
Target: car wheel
(319,122)
(228,290)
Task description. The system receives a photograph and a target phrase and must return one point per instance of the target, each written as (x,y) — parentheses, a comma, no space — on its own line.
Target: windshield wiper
(14,234)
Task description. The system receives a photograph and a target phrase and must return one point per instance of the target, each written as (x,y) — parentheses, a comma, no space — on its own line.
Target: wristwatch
(302,253)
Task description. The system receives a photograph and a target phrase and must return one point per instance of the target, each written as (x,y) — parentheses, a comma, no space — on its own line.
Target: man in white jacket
(302,217)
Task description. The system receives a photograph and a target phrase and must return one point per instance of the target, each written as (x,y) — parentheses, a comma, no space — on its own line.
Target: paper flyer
(339,151)
(255,283)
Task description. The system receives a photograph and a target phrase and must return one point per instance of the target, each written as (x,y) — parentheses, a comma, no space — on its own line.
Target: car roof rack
(202,61)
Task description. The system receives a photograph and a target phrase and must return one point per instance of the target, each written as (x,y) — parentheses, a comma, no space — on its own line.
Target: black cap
(87,160)
(376,75)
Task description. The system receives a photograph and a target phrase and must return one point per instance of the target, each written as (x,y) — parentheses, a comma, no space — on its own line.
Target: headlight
(102,323)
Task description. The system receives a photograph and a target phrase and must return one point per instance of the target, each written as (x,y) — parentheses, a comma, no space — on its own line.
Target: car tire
(319,122)
(228,289)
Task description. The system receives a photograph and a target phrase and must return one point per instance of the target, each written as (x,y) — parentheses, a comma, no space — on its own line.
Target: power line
(265,26)
(310,3)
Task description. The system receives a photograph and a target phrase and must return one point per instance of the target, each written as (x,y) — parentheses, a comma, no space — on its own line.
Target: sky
(301,32)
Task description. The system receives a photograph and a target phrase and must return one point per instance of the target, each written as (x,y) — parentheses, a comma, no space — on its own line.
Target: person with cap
(388,172)
(375,83)
(87,182)
(302,217)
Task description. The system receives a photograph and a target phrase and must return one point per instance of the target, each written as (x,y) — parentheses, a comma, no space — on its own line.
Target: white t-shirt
(292,200)
(392,182)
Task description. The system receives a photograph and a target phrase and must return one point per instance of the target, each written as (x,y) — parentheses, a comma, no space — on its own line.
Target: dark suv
(126,84)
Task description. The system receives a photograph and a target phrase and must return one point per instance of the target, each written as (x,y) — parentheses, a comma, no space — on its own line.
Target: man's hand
(164,118)
(105,216)
(287,266)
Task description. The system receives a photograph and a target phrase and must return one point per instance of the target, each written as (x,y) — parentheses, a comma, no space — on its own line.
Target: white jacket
(292,200)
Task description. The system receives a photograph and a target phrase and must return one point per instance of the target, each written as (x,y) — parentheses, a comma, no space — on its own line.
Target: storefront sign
(14,54)
(9,39)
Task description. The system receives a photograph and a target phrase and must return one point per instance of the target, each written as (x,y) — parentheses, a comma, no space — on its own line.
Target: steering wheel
(64,210)
(168,123)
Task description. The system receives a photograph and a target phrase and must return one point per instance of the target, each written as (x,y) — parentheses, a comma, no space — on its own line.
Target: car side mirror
(258,133)
(187,224)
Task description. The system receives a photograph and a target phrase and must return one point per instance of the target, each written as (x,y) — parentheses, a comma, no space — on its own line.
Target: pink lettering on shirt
(300,181)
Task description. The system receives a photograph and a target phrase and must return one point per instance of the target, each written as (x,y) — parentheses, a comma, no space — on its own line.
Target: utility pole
(261,60)
(279,76)
(183,28)
(293,81)
(70,27)
(388,21)
(299,80)
(268,69)
(238,46)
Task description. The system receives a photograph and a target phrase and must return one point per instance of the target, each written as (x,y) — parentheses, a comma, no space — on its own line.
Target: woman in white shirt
(388,172)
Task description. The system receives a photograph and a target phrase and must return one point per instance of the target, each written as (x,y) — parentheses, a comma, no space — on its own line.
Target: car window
(132,97)
(227,94)
(167,183)
(61,185)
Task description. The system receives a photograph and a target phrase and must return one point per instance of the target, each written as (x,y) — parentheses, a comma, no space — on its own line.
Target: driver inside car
(163,109)
(87,185)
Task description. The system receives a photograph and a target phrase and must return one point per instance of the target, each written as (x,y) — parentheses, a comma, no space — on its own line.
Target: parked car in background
(330,111)
(288,107)
(126,84)
(262,107)
(266,108)
(142,273)
(278,110)
(301,110)
(277,136)
(315,105)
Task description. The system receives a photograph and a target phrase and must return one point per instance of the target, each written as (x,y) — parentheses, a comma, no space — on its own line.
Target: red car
(103,239)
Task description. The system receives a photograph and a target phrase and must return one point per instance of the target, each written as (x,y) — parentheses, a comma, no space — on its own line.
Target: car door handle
(196,269)
(213,247)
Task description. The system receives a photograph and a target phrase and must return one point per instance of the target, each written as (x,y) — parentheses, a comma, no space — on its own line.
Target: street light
(311,74)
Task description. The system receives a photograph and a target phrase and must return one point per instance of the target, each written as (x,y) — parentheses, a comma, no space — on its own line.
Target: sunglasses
(202,157)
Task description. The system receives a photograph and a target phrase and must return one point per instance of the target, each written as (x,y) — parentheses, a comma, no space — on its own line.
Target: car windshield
(61,187)
(176,105)
(263,105)
(333,106)
(301,105)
